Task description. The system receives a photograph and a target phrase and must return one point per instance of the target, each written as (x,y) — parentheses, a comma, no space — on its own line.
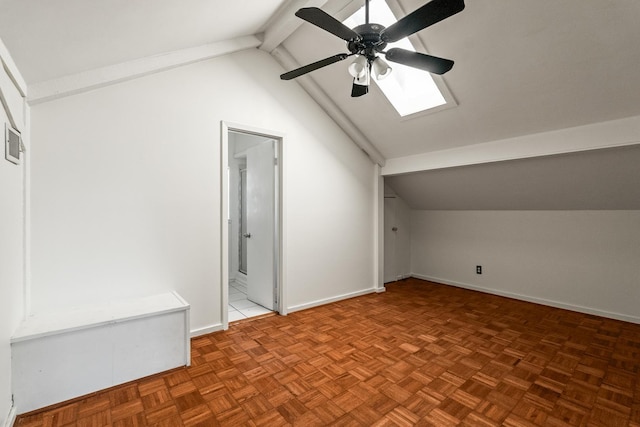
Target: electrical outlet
(478,269)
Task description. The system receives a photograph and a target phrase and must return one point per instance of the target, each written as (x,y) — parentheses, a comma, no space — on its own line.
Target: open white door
(260,236)
(390,236)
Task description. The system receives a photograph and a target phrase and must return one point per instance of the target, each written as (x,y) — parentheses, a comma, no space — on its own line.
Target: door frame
(280,277)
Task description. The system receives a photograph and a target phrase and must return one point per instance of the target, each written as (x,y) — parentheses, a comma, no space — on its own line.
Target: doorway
(390,240)
(251,200)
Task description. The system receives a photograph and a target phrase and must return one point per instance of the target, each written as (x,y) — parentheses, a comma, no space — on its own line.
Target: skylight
(408,89)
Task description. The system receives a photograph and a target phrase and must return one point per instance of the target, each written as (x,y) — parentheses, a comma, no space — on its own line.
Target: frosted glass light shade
(358,67)
(380,68)
(363,79)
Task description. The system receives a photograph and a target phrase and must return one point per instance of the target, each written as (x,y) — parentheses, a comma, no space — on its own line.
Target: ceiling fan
(366,41)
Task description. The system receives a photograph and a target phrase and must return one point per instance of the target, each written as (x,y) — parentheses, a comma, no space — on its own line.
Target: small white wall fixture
(280,253)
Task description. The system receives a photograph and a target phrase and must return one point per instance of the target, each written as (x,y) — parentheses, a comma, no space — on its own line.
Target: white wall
(11,240)
(582,260)
(126,188)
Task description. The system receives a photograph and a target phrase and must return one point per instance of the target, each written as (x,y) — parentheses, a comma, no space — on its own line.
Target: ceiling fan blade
(314,66)
(429,63)
(423,17)
(322,19)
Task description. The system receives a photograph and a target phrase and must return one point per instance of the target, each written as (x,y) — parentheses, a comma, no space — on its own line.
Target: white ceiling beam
(610,134)
(284,23)
(12,107)
(330,107)
(12,101)
(12,71)
(100,77)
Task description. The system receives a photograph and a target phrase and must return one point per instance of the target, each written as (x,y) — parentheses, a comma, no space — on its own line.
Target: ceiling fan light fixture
(361,84)
(363,79)
(367,40)
(380,68)
(358,68)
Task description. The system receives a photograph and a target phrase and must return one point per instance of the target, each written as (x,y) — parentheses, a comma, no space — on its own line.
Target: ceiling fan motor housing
(370,40)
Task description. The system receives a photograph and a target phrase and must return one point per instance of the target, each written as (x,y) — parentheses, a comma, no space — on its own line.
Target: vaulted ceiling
(48,40)
(521,67)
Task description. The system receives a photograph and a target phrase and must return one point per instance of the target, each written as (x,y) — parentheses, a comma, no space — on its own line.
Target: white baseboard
(399,277)
(381,290)
(317,303)
(11,417)
(206,330)
(528,298)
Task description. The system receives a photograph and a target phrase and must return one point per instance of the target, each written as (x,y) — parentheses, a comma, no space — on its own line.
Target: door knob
(247,235)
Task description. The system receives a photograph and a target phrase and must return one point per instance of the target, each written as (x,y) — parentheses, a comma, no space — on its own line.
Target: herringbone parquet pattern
(419,354)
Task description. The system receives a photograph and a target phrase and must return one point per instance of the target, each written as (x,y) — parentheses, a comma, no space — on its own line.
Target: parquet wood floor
(419,354)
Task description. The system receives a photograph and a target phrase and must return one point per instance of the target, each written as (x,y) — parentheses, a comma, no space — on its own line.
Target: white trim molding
(225,128)
(100,77)
(324,301)
(527,298)
(610,134)
(12,101)
(215,327)
(11,416)
(12,70)
(284,23)
(378,229)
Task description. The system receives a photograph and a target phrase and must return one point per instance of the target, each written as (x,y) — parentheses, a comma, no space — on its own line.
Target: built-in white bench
(60,356)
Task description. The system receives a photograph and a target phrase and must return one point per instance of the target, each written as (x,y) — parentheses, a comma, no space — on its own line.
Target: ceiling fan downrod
(368,41)
(366,11)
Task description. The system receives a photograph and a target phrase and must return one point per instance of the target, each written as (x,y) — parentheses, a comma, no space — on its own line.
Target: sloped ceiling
(588,180)
(521,67)
(51,39)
